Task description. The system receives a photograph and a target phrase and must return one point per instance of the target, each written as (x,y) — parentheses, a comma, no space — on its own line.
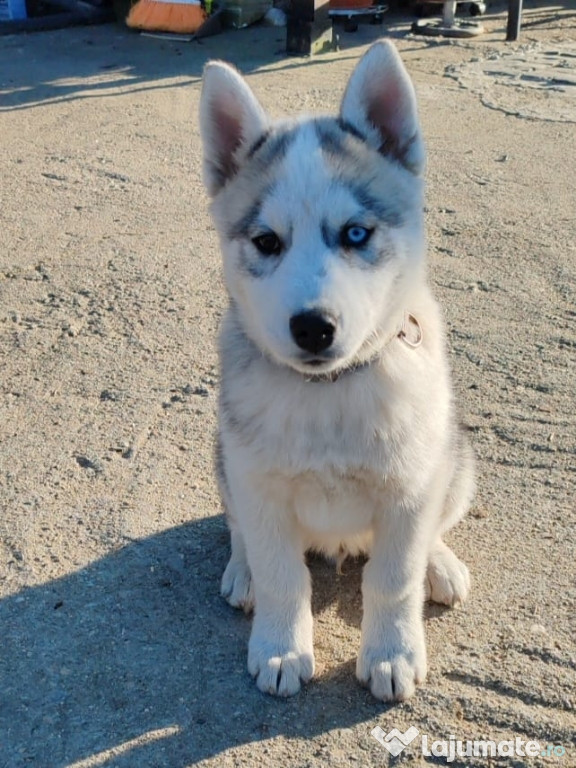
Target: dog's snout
(312,331)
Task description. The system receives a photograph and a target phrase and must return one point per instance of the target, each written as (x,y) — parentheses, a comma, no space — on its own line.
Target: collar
(410,333)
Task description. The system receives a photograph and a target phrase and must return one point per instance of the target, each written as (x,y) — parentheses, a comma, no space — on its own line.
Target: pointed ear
(380,103)
(230,119)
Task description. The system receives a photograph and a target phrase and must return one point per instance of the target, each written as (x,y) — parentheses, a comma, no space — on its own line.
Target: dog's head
(320,219)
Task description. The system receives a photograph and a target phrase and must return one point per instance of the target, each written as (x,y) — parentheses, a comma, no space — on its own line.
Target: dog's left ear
(380,103)
(231,120)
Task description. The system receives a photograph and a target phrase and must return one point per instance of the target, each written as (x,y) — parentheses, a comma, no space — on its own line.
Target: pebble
(538,629)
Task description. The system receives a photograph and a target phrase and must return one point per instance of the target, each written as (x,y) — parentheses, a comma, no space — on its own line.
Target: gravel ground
(116,647)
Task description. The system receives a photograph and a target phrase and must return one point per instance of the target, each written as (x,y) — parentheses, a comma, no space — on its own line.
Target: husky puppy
(337,426)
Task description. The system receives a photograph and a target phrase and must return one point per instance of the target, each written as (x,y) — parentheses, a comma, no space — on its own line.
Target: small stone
(538,629)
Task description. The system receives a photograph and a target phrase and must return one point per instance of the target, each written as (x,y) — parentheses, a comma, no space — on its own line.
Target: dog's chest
(362,424)
(333,453)
(330,506)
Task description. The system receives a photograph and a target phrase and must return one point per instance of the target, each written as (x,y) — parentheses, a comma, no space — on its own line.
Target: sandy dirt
(116,649)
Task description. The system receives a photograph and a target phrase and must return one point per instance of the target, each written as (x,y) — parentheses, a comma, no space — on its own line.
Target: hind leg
(236,585)
(447,578)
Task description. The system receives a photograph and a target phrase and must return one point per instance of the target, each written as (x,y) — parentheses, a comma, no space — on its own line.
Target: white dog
(337,427)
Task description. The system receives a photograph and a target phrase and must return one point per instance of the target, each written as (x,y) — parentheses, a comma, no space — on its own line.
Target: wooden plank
(308,28)
(514,19)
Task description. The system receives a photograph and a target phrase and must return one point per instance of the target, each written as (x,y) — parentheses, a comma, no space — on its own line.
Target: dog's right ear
(231,119)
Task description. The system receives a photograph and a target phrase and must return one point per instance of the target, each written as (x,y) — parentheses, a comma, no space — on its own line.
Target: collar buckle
(411,332)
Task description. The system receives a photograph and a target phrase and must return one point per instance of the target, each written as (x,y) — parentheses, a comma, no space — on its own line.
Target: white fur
(371,460)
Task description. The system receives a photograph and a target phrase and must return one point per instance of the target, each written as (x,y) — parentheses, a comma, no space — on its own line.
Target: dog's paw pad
(447,578)
(280,674)
(393,679)
(236,585)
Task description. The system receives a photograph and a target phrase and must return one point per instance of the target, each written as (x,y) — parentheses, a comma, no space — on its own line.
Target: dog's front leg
(280,651)
(392,657)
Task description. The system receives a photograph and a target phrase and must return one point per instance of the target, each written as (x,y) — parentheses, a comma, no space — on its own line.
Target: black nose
(312,331)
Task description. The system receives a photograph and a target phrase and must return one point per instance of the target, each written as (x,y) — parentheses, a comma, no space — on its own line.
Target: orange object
(181,16)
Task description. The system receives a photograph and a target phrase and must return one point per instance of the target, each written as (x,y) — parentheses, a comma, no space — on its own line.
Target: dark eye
(268,244)
(355,236)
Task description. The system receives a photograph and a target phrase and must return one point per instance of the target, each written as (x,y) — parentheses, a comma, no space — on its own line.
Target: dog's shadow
(136,659)
(345,589)
(341,588)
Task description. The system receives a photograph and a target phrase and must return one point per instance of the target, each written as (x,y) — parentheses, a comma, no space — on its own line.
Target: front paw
(392,667)
(279,666)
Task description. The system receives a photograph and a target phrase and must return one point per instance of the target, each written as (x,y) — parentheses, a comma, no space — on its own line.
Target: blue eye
(355,236)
